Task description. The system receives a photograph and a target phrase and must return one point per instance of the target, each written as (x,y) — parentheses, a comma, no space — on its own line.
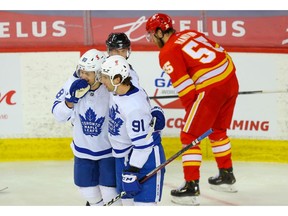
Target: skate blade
(224,188)
(187,200)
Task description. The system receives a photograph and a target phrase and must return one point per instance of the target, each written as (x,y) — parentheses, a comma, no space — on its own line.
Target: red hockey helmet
(158,20)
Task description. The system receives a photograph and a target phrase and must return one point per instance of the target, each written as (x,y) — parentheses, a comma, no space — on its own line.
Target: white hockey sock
(127,202)
(145,204)
(108,193)
(92,195)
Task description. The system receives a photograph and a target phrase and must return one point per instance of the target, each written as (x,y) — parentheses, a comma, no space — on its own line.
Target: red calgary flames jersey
(194,63)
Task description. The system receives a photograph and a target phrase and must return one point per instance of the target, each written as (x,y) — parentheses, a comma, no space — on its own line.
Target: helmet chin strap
(97,80)
(128,54)
(94,84)
(115,87)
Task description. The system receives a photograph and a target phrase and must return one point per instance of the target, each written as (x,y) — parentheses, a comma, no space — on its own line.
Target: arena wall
(39,50)
(30,81)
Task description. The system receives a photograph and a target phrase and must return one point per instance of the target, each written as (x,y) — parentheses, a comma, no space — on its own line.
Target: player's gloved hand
(158,113)
(130,183)
(78,89)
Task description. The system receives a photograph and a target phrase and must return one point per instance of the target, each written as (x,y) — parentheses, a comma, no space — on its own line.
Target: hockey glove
(130,183)
(158,113)
(78,89)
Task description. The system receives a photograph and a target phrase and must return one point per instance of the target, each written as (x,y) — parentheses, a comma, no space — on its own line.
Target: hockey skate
(187,194)
(224,181)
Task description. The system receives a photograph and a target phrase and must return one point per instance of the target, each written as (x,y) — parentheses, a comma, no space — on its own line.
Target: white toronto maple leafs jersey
(89,118)
(134,76)
(129,124)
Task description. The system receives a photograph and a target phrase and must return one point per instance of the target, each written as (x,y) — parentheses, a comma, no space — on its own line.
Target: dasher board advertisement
(11,113)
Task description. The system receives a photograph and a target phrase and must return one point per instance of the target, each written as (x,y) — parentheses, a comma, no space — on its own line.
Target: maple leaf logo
(91,125)
(114,122)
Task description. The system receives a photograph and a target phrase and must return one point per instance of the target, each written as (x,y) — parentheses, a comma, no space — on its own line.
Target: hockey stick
(263,92)
(161,166)
(2,189)
(240,93)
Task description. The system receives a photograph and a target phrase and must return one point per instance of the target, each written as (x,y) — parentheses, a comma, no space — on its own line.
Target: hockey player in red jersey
(203,74)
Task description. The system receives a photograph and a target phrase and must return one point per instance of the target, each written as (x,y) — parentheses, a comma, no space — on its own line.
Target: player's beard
(159,42)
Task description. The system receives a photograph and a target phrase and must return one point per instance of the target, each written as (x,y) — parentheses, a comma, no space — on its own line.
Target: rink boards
(59,149)
(28,130)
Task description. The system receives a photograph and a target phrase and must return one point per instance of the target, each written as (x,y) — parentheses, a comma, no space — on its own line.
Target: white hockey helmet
(115,65)
(91,61)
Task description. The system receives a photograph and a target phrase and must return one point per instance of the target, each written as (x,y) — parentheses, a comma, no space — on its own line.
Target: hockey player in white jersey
(118,43)
(129,124)
(83,100)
